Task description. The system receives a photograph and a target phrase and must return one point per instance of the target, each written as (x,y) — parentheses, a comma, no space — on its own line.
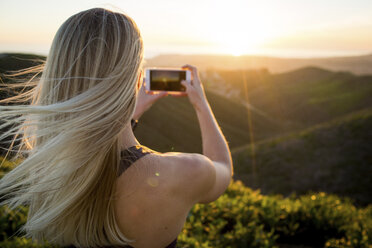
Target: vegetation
(334,157)
(282,103)
(297,99)
(293,134)
(246,218)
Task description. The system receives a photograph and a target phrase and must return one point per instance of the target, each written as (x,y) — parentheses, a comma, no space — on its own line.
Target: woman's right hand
(195,89)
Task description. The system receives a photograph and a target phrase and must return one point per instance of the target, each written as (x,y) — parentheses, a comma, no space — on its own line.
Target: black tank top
(128,157)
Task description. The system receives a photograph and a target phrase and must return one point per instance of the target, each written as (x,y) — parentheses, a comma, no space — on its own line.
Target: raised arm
(215,147)
(200,178)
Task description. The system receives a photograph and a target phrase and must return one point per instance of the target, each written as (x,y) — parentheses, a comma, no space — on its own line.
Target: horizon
(237,28)
(304,57)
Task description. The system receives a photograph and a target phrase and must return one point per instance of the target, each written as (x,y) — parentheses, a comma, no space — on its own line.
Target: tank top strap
(131,155)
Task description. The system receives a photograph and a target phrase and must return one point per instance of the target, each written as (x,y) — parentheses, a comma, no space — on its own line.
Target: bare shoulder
(192,175)
(190,164)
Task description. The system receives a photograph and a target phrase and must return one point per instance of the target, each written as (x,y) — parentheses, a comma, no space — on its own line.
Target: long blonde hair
(69,133)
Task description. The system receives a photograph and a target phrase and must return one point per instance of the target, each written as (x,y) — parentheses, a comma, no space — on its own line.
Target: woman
(86,178)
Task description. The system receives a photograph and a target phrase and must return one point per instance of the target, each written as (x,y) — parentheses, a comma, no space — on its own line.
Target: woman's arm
(215,147)
(214,143)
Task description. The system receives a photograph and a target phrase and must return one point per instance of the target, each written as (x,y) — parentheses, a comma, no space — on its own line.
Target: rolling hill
(277,104)
(359,65)
(172,125)
(335,157)
(334,109)
(296,99)
(18,61)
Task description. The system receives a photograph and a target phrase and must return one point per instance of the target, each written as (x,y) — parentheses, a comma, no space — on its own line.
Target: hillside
(18,61)
(312,132)
(172,125)
(359,65)
(277,104)
(296,99)
(335,157)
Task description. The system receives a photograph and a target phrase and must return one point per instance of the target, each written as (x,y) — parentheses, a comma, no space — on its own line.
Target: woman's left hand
(145,99)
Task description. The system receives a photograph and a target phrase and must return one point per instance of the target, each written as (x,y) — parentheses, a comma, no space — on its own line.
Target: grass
(333,157)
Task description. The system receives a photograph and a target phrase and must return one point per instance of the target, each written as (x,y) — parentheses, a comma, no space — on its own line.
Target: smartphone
(166,79)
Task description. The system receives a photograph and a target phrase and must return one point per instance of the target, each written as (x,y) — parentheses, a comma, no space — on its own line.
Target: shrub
(245,218)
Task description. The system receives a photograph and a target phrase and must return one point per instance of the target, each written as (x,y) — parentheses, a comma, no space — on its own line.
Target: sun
(236,52)
(238,27)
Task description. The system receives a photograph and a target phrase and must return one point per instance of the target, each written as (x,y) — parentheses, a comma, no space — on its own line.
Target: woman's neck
(127,138)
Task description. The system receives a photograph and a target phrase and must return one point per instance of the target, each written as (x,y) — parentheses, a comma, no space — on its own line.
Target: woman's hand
(145,100)
(194,89)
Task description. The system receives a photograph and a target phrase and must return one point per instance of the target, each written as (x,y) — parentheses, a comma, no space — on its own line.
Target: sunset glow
(237,27)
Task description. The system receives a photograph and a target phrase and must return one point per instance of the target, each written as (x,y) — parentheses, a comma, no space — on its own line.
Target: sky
(285,28)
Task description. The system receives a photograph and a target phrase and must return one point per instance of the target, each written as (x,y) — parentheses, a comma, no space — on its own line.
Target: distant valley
(359,65)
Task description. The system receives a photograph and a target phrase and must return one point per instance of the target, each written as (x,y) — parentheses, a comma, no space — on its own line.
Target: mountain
(306,129)
(334,157)
(294,100)
(359,65)
(18,61)
(250,105)
(171,124)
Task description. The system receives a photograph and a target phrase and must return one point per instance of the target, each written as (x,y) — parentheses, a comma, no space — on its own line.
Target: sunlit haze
(287,28)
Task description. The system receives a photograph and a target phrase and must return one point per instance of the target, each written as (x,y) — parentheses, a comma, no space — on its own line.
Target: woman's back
(150,203)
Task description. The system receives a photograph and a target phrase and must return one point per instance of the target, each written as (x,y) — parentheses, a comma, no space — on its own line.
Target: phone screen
(167,80)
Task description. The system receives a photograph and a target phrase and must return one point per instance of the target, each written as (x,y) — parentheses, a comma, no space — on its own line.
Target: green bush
(245,218)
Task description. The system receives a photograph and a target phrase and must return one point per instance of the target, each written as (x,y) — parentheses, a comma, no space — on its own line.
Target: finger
(186,84)
(191,68)
(187,66)
(157,94)
(162,94)
(179,95)
(143,88)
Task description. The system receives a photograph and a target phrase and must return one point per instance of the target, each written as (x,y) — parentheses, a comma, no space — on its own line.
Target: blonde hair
(70,132)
